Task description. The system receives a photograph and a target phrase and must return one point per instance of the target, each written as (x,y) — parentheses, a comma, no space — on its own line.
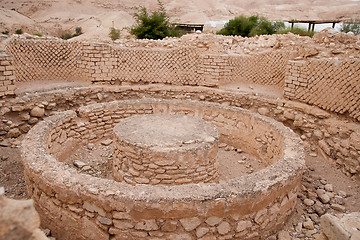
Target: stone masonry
(7,76)
(329,83)
(79,206)
(165,149)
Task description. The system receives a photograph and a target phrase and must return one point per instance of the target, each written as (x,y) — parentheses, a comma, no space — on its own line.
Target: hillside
(56,17)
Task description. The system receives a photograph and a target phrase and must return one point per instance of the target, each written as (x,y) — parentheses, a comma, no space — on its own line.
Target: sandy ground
(56,17)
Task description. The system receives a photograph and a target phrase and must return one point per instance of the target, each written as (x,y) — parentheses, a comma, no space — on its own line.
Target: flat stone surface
(158,130)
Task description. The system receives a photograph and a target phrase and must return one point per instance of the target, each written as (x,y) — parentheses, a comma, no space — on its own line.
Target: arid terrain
(264,74)
(96,17)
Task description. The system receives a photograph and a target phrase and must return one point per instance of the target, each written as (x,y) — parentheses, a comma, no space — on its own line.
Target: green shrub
(351,26)
(296,30)
(6,32)
(38,34)
(154,25)
(19,31)
(66,36)
(114,33)
(78,31)
(250,26)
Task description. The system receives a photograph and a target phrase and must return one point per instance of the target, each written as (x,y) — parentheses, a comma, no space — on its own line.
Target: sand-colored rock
(19,220)
(344,227)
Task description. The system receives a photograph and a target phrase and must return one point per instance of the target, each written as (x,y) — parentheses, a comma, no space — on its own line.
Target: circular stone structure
(165,149)
(78,206)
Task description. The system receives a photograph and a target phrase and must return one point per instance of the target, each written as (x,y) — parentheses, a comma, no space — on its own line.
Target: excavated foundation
(80,206)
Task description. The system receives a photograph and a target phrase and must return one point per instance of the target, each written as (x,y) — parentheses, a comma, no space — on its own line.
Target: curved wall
(78,206)
(333,137)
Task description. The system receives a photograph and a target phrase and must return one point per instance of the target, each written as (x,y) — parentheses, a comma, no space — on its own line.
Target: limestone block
(37,112)
(93,208)
(242,225)
(147,225)
(19,219)
(13,133)
(345,227)
(190,223)
(201,231)
(169,226)
(224,228)
(213,221)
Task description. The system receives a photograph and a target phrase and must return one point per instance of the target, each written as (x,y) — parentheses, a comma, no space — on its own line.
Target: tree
(250,26)
(153,26)
(351,26)
(114,34)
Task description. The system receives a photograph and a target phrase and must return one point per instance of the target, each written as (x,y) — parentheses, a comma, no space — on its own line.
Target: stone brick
(201,231)
(169,226)
(147,225)
(93,208)
(243,225)
(213,221)
(190,223)
(223,228)
(123,224)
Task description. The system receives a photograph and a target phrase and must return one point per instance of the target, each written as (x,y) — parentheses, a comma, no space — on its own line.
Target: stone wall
(332,84)
(325,132)
(188,155)
(79,206)
(112,64)
(7,76)
(262,68)
(51,60)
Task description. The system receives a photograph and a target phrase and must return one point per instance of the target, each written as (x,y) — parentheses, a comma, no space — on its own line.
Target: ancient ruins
(163,117)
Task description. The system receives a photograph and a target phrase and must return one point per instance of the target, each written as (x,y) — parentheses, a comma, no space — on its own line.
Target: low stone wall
(7,76)
(78,206)
(331,84)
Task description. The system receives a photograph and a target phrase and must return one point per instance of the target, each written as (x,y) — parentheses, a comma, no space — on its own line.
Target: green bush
(6,32)
(38,34)
(66,36)
(114,34)
(19,31)
(78,31)
(351,26)
(296,30)
(153,26)
(250,26)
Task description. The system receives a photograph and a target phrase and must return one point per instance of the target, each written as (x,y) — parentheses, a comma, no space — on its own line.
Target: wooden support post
(309,27)
(313,27)
(292,26)
(333,26)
